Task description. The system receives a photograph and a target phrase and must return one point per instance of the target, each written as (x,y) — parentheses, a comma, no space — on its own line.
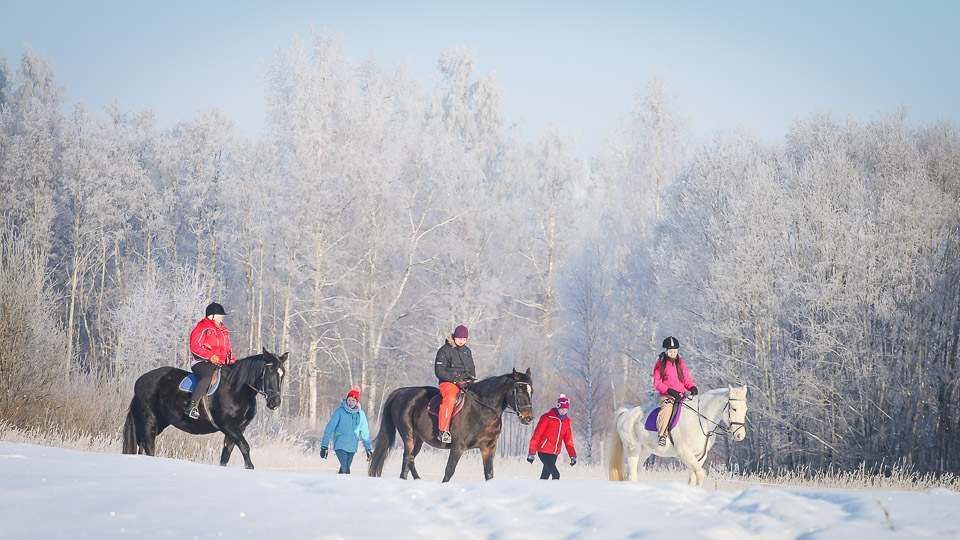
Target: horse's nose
(273,403)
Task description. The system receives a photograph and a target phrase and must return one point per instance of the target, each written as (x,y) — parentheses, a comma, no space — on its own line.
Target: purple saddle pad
(651,423)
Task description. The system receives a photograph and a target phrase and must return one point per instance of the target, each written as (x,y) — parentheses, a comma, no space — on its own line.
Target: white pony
(690,441)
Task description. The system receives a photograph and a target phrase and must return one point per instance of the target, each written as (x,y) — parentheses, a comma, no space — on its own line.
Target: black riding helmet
(671,343)
(215,309)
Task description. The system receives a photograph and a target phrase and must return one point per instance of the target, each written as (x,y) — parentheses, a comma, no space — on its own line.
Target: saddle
(651,423)
(433,407)
(190,382)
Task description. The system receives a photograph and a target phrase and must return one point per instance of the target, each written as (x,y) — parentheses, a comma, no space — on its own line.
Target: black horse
(477,425)
(158,402)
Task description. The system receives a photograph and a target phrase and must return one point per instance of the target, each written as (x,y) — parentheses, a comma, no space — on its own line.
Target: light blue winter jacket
(346,425)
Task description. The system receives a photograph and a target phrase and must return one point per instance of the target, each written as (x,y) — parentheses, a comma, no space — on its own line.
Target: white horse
(690,441)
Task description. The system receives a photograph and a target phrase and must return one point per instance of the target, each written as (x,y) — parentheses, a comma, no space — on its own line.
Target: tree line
(373,214)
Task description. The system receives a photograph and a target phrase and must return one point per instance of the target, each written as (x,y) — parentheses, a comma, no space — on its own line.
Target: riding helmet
(671,343)
(215,309)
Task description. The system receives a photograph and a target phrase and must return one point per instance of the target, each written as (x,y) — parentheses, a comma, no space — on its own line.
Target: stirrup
(662,441)
(444,437)
(194,413)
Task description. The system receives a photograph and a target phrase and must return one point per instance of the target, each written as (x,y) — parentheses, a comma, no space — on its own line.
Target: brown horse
(477,425)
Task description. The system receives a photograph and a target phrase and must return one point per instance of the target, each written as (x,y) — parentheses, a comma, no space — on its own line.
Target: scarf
(352,410)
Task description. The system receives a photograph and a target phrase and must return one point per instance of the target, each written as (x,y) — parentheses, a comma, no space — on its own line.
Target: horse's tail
(130,442)
(615,458)
(385,437)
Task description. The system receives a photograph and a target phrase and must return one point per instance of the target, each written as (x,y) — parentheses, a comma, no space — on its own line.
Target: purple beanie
(460,332)
(563,402)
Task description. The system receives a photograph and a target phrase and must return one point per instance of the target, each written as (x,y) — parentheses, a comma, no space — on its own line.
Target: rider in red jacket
(210,345)
(552,429)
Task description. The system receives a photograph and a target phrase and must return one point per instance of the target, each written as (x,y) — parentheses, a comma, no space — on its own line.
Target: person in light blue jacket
(347,424)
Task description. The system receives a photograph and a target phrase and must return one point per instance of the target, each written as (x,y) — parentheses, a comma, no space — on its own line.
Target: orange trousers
(449,392)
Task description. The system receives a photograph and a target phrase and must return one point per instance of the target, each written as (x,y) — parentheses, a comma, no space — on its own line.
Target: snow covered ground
(48,492)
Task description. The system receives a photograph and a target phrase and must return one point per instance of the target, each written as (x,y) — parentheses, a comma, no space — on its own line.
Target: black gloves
(673,393)
(694,391)
(369,455)
(529,458)
(573,461)
(323,452)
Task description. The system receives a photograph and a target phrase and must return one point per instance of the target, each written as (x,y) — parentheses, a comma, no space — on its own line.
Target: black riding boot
(192,410)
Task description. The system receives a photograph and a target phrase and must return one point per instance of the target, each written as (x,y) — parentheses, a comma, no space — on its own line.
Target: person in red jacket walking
(552,429)
(210,346)
(672,379)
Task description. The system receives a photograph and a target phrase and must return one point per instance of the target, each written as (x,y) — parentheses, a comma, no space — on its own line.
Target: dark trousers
(346,458)
(204,372)
(549,466)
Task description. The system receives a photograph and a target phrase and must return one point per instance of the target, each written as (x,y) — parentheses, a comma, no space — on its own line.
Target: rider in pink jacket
(672,379)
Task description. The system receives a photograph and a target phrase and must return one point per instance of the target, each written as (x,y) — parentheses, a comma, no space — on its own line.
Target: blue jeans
(346,458)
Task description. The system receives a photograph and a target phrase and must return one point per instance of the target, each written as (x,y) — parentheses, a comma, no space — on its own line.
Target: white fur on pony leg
(633,461)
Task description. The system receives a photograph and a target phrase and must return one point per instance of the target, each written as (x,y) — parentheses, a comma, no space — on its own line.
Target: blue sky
(757,65)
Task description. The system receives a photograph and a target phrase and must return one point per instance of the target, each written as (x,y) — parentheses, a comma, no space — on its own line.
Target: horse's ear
(514,373)
(265,353)
(283,358)
(528,372)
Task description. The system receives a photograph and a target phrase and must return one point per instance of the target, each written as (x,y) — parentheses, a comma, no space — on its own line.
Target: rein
(732,427)
(498,413)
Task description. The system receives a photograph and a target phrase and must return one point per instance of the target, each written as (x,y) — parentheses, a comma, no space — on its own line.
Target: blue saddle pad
(190,382)
(651,423)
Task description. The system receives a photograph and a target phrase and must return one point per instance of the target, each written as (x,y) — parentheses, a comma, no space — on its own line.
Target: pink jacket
(670,378)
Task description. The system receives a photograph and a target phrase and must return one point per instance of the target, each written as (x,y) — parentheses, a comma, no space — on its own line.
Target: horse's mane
(247,371)
(491,385)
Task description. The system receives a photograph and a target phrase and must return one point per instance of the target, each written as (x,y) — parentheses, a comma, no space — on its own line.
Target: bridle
(527,392)
(731,427)
(261,386)
(515,408)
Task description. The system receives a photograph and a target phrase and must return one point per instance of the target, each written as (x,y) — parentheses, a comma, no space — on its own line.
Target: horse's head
(521,399)
(737,412)
(272,383)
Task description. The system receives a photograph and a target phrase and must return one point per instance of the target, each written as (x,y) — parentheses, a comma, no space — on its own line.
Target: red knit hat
(563,402)
(354,393)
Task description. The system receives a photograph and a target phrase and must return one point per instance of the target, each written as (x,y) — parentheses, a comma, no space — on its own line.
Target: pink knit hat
(563,402)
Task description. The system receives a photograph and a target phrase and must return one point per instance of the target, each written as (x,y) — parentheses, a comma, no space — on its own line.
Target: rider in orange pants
(454,370)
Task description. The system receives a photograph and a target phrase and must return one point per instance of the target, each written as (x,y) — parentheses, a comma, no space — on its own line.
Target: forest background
(374,214)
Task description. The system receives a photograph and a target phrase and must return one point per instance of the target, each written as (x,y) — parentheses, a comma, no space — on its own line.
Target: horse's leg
(148,439)
(692,463)
(455,452)
(410,443)
(227,450)
(487,453)
(413,455)
(236,436)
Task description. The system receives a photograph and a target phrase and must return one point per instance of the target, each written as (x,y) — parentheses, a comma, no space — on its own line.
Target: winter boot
(445,437)
(662,441)
(192,410)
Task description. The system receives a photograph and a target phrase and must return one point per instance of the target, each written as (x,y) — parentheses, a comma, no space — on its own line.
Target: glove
(463,384)
(573,461)
(369,455)
(694,391)
(215,359)
(323,452)
(674,394)
(529,458)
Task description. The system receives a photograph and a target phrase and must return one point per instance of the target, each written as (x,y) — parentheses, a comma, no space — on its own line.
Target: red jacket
(670,378)
(208,340)
(550,431)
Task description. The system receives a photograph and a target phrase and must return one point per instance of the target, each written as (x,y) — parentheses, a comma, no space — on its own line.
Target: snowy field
(52,492)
